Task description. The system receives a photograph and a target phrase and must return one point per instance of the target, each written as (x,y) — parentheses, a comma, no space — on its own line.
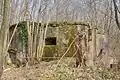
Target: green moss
(23,33)
(65,38)
(49,52)
(65,35)
(72,32)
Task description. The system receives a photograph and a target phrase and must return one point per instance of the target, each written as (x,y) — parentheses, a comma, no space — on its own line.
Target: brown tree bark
(4,34)
(94,43)
(116,14)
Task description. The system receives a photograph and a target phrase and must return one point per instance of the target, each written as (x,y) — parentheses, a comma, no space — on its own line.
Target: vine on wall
(23,34)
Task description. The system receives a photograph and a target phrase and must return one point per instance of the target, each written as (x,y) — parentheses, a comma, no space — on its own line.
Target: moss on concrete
(49,52)
(63,31)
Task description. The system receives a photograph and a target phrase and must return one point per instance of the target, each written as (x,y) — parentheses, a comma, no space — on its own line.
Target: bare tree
(4,34)
(116,14)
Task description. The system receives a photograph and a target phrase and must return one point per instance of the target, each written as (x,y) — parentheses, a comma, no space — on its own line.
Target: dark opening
(114,66)
(50,41)
(111,66)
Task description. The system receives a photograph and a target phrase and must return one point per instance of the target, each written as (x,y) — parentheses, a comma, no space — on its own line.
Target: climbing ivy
(23,33)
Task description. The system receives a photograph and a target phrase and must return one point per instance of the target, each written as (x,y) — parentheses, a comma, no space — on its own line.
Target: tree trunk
(4,34)
(94,43)
(116,14)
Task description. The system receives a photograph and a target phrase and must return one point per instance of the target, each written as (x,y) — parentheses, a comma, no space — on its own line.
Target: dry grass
(64,71)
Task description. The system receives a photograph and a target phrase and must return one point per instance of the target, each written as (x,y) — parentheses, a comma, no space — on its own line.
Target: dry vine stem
(10,41)
(12,36)
(73,56)
(66,51)
(45,33)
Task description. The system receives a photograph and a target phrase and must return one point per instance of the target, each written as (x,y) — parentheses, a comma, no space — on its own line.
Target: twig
(67,50)
(73,55)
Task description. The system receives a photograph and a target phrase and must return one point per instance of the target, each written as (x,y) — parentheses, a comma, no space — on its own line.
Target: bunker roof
(53,23)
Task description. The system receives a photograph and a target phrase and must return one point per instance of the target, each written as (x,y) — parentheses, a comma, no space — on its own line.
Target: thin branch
(116,14)
(66,51)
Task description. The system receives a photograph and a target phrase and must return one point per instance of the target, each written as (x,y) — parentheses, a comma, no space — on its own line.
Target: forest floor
(65,71)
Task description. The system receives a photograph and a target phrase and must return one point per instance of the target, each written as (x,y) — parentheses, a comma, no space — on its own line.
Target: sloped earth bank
(65,71)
